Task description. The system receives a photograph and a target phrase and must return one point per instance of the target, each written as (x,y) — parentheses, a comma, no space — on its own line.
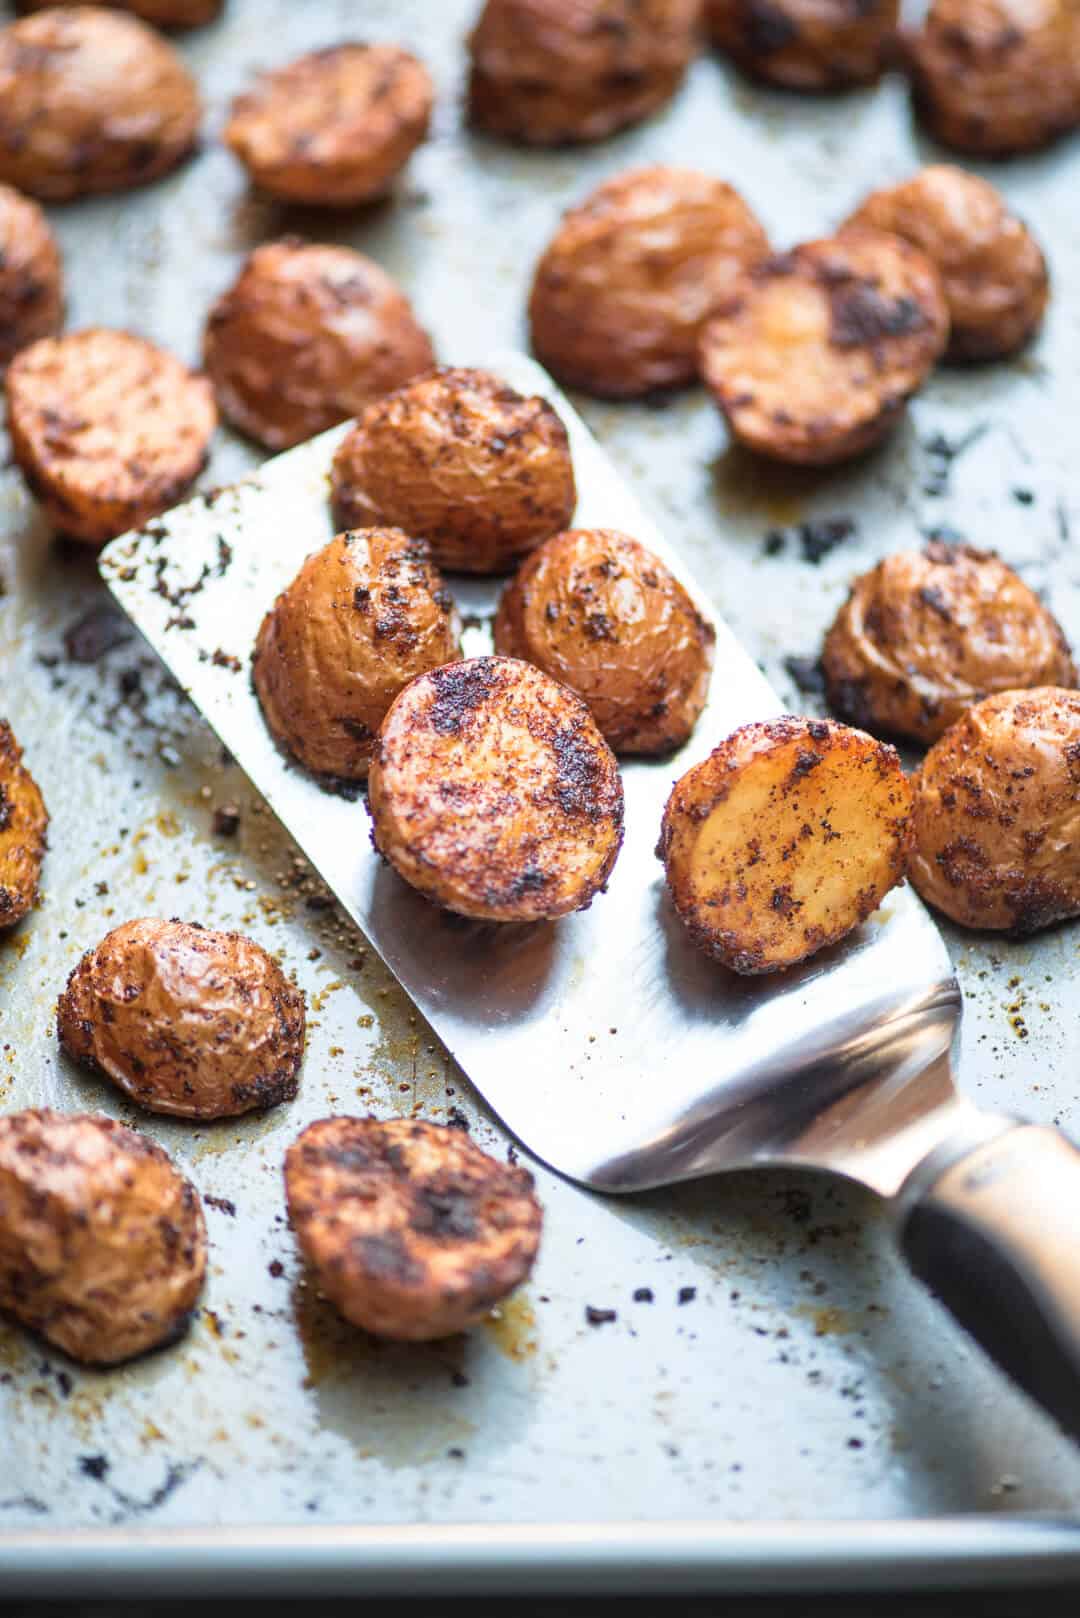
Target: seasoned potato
(817,352)
(107,429)
(362,617)
(102,1241)
(784,839)
(335,126)
(493,793)
(481,471)
(185,1020)
(925,634)
(624,288)
(548,72)
(806,44)
(996,817)
(993,272)
(305,337)
(91,100)
(162,13)
(411,1230)
(23,825)
(599,612)
(31,277)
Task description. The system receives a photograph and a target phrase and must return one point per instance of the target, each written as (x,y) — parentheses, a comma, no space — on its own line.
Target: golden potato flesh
(810,45)
(411,1231)
(362,617)
(493,793)
(31,276)
(996,817)
(784,839)
(23,825)
(102,1241)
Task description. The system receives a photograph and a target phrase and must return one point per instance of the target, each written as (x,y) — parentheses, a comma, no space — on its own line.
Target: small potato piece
(994,274)
(185,1020)
(811,45)
(493,793)
(926,634)
(481,471)
(818,350)
(161,13)
(31,276)
(996,817)
(102,1241)
(305,337)
(362,617)
(599,612)
(91,100)
(551,72)
(624,288)
(23,825)
(334,127)
(784,839)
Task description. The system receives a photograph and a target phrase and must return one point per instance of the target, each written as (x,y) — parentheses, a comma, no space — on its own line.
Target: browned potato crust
(806,44)
(91,100)
(23,825)
(599,612)
(161,13)
(784,839)
(996,817)
(926,634)
(305,337)
(493,793)
(335,126)
(108,429)
(362,617)
(458,456)
(994,274)
(31,276)
(186,1021)
(102,1241)
(625,286)
(549,72)
(817,352)
(412,1231)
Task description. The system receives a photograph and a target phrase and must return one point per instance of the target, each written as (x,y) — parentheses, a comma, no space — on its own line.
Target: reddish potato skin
(24,823)
(31,275)
(808,45)
(159,13)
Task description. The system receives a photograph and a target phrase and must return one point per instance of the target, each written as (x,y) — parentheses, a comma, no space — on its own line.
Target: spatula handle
(995,1233)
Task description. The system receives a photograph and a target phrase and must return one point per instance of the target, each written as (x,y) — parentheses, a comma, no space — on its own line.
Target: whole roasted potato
(626,284)
(335,126)
(91,100)
(362,617)
(185,1020)
(305,337)
(107,429)
(492,792)
(31,277)
(102,1241)
(817,351)
(806,44)
(996,817)
(23,825)
(599,612)
(784,839)
(161,13)
(548,72)
(993,272)
(411,1230)
(926,634)
(481,471)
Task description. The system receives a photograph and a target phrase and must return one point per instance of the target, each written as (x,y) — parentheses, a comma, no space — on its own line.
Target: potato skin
(992,269)
(102,1241)
(160,13)
(996,818)
(411,1230)
(23,826)
(809,45)
(31,275)
(493,793)
(555,72)
(784,840)
(334,127)
(185,1020)
(362,617)
(483,473)
(818,350)
(91,100)
(926,634)
(624,288)
(305,337)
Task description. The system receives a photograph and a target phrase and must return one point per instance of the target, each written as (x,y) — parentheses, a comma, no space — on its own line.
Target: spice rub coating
(24,823)
(31,275)
(808,45)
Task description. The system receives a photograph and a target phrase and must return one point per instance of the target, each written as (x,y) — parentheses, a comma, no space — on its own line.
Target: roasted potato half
(411,1231)
(31,275)
(811,45)
(784,839)
(493,793)
(996,817)
(23,825)
(161,13)
(102,1241)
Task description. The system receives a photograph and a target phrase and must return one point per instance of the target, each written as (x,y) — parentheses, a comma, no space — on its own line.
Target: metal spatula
(606,1042)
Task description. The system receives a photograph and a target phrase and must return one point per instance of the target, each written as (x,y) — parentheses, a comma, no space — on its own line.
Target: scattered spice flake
(276,1268)
(222,1204)
(599,1317)
(226,821)
(687,1294)
(643,1295)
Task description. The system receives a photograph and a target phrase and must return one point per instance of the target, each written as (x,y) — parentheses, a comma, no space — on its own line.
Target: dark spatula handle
(996,1235)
